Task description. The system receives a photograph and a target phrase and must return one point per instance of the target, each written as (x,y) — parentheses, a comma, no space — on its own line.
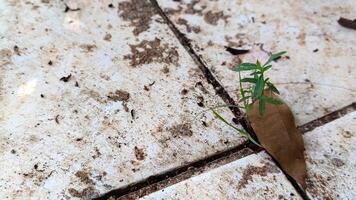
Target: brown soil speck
(87,192)
(191,8)
(235,61)
(337,162)
(314,183)
(148,87)
(301,38)
(201,87)
(84,177)
(181,130)
(119,95)
(189,28)
(138,12)
(200,100)
(213,17)
(56,119)
(66,78)
(139,153)
(96,154)
(165,70)
(88,47)
(253,170)
(152,51)
(67,9)
(347,134)
(107,37)
(17,50)
(5,56)
(184,92)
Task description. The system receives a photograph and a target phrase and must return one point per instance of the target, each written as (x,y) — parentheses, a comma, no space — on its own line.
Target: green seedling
(252,89)
(257,84)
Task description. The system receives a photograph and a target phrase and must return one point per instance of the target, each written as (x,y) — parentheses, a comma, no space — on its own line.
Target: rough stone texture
(331,161)
(77,119)
(331,171)
(252,177)
(318,75)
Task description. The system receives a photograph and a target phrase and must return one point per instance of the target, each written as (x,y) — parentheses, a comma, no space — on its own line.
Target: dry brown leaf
(278,134)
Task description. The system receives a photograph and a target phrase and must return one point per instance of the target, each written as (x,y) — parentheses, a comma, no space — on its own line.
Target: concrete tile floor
(252,177)
(97,95)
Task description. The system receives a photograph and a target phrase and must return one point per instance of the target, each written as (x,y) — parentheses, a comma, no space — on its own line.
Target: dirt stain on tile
(85,193)
(138,12)
(149,51)
(84,177)
(119,95)
(88,47)
(181,130)
(337,162)
(317,186)
(189,28)
(213,17)
(248,173)
(139,153)
(192,8)
(107,37)
(5,58)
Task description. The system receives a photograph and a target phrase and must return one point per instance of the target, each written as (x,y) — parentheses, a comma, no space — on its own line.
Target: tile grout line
(173,176)
(157,182)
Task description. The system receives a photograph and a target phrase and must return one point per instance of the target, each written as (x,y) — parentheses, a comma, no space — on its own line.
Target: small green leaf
(262,106)
(277,55)
(267,68)
(248,80)
(245,67)
(273,88)
(260,84)
(274,57)
(255,73)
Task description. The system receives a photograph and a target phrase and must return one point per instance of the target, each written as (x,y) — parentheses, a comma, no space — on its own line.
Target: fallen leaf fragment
(235,52)
(278,134)
(347,23)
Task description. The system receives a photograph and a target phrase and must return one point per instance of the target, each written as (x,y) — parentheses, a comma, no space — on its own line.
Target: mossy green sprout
(251,90)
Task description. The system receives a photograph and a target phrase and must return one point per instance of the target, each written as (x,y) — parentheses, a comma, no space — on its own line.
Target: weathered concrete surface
(253,177)
(93,99)
(331,169)
(318,75)
(331,161)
